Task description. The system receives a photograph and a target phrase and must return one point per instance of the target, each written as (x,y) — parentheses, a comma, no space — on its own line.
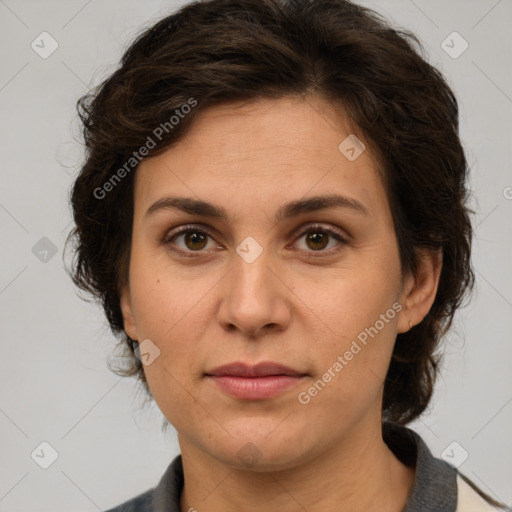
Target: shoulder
(141,503)
(438,485)
(165,497)
(472,499)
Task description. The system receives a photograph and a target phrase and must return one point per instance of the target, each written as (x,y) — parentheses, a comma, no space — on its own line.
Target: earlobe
(127,311)
(420,292)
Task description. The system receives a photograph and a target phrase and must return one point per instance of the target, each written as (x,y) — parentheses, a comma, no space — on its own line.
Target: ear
(420,289)
(126,308)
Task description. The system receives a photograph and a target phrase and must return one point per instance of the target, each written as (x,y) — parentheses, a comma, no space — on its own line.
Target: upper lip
(259,370)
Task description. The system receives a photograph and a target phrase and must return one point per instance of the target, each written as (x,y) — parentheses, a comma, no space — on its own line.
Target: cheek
(168,311)
(350,366)
(165,297)
(353,300)
(356,316)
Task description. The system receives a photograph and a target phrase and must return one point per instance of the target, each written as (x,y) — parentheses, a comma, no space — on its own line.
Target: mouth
(258,382)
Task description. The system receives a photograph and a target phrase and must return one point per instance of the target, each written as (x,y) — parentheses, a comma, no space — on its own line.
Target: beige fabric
(469,500)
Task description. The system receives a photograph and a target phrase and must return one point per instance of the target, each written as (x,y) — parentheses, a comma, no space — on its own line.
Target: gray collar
(435,484)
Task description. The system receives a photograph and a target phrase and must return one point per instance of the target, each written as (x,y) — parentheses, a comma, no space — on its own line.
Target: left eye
(317,238)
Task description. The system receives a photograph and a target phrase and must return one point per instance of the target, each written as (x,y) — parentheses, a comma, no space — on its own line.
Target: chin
(261,449)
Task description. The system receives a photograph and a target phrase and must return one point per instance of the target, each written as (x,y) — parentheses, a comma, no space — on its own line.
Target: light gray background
(55,383)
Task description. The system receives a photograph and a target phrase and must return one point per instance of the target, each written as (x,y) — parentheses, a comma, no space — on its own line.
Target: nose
(254,299)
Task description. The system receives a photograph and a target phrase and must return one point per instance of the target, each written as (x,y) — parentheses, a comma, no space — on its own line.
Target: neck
(355,475)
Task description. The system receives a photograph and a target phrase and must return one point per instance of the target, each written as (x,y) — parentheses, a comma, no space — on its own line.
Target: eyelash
(191,228)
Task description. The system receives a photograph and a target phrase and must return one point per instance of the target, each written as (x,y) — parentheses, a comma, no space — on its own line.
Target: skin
(215,308)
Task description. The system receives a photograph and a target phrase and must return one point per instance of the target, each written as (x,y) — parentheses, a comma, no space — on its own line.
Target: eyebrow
(292,209)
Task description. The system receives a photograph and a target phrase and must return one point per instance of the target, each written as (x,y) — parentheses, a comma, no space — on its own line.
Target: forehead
(266,149)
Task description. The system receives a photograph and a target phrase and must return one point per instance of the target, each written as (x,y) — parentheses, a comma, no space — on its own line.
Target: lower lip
(255,388)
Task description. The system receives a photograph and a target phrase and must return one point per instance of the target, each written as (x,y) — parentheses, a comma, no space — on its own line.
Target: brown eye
(317,240)
(188,240)
(195,240)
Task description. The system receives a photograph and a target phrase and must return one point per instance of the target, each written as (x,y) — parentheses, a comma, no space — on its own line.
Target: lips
(260,370)
(259,382)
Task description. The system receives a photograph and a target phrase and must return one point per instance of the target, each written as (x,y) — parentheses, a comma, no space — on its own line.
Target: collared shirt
(438,486)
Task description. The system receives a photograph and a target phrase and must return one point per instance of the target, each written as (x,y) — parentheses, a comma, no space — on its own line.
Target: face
(317,290)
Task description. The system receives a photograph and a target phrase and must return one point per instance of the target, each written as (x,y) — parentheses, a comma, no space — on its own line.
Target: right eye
(193,240)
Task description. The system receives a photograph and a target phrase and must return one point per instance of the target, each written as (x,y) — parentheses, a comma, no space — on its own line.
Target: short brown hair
(220,51)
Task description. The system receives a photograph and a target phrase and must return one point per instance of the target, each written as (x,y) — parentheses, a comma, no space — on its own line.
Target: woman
(272,212)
